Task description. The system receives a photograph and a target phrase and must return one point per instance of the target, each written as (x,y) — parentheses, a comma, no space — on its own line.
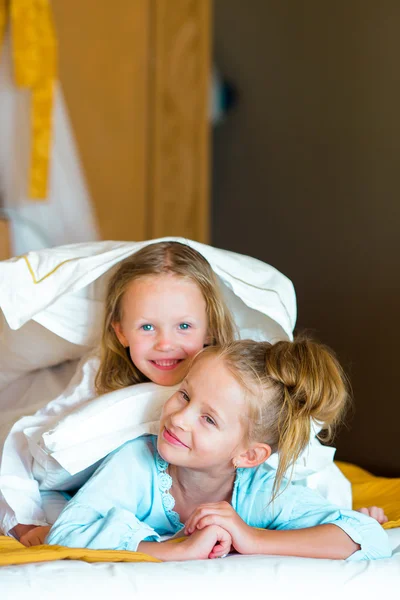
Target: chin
(167,379)
(165,451)
(160,449)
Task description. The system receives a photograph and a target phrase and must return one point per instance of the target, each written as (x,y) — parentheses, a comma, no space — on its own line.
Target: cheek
(195,344)
(168,408)
(138,346)
(210,447)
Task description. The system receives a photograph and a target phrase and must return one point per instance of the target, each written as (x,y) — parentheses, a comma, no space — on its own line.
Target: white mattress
(241,577)
(232,577)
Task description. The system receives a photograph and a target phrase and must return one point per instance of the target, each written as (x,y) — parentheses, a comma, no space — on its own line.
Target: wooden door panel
(179,146)
(136,74)
(104,57)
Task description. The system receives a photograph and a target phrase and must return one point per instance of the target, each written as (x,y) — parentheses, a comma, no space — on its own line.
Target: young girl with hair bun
(205,472)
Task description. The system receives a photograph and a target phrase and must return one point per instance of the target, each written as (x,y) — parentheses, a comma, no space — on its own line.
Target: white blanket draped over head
(54,299)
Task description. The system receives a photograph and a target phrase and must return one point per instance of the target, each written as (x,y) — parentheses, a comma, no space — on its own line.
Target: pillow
(369,490)
(75,445)
(31,347)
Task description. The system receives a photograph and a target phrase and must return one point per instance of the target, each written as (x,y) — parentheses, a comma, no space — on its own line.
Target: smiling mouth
(172,439)
(167,364)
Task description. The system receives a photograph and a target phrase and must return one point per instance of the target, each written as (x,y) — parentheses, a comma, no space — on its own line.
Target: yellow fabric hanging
(2,20)
(34,50)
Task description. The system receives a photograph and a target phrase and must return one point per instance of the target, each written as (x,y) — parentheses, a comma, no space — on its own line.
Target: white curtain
(67,215)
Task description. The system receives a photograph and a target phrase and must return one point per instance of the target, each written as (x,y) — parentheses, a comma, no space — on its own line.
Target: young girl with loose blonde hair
(205,471)
(156,262)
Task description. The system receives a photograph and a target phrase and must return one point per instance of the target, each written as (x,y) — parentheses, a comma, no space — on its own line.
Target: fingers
(376,513)
(210,520)
(191,523)
(29,541)
(200,521)
(203,510)
(35,537)
(23,539)
(219,551)
(223,547)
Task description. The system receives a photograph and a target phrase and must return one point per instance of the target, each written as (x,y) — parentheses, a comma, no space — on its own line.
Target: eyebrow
(180,319)
(211,410)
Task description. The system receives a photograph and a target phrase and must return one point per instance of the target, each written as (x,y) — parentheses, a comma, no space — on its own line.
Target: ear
(253,456)
(208,341)
(119,333)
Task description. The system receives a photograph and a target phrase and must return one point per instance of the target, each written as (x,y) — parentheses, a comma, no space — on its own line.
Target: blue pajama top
(127,501)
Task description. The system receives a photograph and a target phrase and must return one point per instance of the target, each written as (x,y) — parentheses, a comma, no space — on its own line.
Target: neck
(200,487)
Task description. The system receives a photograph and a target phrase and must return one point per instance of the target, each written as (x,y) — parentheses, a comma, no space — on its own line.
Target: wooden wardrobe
(136,75)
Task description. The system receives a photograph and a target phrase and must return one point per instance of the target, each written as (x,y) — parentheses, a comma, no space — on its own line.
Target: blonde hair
(116,368)
(290,385)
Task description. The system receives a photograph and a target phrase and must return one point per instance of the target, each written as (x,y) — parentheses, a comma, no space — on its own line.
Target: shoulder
(260,505)
(137,453)
(145,445)
(252,486)
(251,480)
(258,484)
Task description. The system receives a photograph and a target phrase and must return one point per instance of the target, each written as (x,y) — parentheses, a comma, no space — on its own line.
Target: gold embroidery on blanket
(31,271)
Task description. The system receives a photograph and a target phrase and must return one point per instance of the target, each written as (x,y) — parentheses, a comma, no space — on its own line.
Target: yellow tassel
(34,50)
(3,20)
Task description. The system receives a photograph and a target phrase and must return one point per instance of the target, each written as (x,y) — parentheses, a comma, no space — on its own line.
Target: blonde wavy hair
(289,385)
(116,368)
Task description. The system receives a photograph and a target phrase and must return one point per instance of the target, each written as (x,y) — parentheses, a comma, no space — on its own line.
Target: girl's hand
(21,529)
(376,513)
(209,542)
(35,536)
(222,514)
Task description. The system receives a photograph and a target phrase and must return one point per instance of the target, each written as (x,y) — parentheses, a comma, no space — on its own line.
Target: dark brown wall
(307,178)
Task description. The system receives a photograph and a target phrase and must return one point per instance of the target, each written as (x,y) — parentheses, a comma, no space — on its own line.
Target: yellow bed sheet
(14,553)
(369,490)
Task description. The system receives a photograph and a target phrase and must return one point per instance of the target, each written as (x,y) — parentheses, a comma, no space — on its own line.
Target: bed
(44,277)
(235,577)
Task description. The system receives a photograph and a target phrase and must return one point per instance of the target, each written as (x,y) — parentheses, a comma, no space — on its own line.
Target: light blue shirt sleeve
(300,508)
(106,512)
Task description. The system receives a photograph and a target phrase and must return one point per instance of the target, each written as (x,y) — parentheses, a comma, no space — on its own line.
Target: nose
(181,419)
(164,342)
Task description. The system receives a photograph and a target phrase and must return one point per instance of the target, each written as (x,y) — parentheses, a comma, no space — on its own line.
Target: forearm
(82,526)
(165,551)
(322,541)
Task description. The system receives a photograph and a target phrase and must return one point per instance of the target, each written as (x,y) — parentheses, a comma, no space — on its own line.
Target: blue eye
(209,420)
(184,395)
(147,327)
(184,326)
